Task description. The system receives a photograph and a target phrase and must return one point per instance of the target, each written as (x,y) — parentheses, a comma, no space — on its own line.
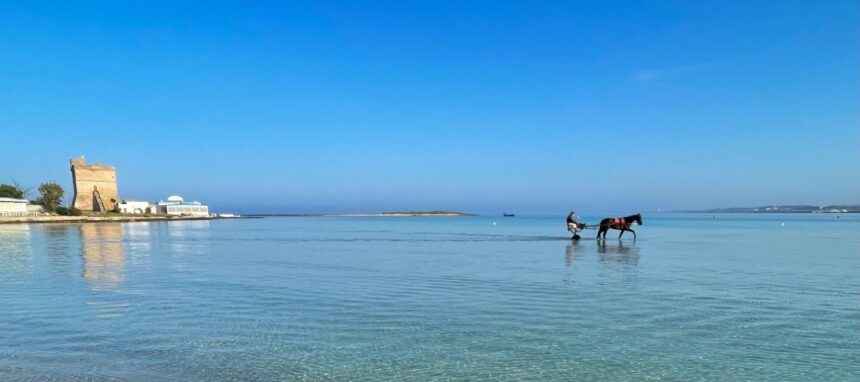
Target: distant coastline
(832,209)
(413,213)
(378,214)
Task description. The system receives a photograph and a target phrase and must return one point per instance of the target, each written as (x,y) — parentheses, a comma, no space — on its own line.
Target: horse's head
(639,219)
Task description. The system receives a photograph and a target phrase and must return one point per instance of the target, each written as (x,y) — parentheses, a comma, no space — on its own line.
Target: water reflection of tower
(102,253)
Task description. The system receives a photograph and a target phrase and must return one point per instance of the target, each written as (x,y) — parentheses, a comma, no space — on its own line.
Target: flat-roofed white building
(136,207)
(13,207)
(176,205)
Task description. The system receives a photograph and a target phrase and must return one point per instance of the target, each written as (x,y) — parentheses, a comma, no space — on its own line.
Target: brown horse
(622,224)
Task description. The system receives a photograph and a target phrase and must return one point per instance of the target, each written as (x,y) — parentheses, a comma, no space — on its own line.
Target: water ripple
(390,300)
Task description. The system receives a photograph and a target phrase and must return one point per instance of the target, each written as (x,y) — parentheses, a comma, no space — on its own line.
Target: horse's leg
(634,233)
(622,233)
(602,227)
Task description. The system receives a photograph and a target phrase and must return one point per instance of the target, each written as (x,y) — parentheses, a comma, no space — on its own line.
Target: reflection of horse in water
(618,253)
(622,224)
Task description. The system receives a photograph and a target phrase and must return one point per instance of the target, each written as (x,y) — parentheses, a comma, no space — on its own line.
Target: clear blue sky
(479,106)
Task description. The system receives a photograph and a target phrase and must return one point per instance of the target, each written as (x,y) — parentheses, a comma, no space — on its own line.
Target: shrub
(70,211)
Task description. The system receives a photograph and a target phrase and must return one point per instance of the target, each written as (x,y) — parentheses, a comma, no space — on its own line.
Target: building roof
(176,200)
(182,203)
(13,200)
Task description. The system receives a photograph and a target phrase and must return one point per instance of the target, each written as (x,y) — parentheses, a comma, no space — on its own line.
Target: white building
(136,207)
(176,205)
(13,207)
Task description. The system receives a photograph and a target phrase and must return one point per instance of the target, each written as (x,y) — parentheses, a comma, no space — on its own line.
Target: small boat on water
(507,215)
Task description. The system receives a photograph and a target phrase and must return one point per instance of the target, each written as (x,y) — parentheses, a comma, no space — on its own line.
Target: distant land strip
(379,214)
(833,209)
(421,213)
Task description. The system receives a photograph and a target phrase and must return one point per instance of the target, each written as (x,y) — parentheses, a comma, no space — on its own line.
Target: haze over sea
(696,297)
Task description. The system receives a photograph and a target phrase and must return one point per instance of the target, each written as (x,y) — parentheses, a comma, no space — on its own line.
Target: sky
(477,106)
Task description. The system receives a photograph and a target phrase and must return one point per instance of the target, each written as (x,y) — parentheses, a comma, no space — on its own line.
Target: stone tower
(95,186)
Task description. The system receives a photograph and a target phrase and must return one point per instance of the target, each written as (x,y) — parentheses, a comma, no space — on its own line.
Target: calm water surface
(730,297)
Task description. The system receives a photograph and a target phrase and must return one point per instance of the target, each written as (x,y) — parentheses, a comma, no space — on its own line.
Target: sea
(696,297)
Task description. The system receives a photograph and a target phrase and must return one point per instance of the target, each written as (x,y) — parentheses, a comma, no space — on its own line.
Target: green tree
(11,191)
(51,196)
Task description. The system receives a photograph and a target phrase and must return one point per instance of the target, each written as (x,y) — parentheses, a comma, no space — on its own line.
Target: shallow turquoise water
(730,297)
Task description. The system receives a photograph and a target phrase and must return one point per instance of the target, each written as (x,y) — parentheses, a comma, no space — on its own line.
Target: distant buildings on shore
(176,205)
(95,186)
(831,209)
(95,190)
(13,207)
(136,207)
(19,207)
